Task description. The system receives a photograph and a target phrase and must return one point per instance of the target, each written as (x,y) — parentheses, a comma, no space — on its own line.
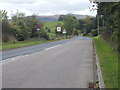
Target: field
(108,63)
(51,26)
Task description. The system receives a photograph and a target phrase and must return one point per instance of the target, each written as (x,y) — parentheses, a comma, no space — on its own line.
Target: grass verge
(6,46)
(108,62)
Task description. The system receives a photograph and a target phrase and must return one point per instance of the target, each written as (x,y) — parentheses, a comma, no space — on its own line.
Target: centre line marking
(52,47)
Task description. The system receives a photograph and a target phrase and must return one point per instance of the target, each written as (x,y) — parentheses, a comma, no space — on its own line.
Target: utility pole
(98,26)
(103,23)
(95,7)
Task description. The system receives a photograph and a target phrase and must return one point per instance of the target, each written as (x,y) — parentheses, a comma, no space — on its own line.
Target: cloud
(17,1)
(33,1)
(47,7)
(86,12)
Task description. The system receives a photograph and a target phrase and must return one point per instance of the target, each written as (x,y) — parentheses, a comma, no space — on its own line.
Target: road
(65,65)
(31,49)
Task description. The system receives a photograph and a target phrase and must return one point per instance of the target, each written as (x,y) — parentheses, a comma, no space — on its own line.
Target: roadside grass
(9,45)
(108,62)
(6,46)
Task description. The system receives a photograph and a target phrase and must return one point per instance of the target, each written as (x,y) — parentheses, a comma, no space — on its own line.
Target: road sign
(64,31)
(58,29)
(37,26)
(38,29)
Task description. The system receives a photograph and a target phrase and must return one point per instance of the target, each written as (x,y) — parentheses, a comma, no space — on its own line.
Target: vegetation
(20,27)
(51,25)
(76,26)
(87,25)
(70,23)
(108,47)
(7,46)
(17,31)
(33,41)
(51,28)
(108,12)
(108,62)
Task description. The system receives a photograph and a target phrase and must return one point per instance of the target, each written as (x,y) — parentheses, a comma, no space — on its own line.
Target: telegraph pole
(94,7)
(98,27)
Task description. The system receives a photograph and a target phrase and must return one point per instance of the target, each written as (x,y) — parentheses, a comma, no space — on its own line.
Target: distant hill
(56,17)
(48,18)
(80,16)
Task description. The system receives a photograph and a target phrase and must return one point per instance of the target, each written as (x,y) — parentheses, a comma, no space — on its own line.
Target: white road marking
(21,56)
(13,58)
(52,47)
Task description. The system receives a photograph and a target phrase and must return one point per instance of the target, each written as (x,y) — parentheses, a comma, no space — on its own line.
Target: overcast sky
(47,7)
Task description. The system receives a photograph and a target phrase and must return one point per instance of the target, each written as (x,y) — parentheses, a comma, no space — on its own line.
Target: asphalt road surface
(68,64)
(28,50)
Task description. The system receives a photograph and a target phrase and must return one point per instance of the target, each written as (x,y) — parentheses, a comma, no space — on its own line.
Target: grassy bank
(51,26)
(6,46)
(108,63)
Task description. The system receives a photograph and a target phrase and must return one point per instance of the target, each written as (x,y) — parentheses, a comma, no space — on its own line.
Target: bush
(94,32)
(9,38)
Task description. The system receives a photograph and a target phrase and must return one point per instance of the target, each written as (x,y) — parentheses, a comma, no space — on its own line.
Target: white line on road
(13,58)
(52,47)
(21,56)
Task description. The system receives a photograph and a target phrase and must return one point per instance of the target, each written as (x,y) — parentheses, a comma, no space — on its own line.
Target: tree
(88,24)
(81,25)
(110,12)
(70,23)
(110,16)
(75,32)
(24,27)
(61,18)
(31,22)
(19,26)
(6,29)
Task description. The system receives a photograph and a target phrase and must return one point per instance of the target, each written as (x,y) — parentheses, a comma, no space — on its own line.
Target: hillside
(47,18)
(51,26)
(56,17)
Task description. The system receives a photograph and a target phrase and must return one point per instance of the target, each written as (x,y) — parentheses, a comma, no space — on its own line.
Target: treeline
(70,24)
(20,27)
(76,26)
(110,22)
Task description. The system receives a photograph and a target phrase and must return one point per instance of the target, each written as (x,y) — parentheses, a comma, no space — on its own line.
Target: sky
(47,7)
